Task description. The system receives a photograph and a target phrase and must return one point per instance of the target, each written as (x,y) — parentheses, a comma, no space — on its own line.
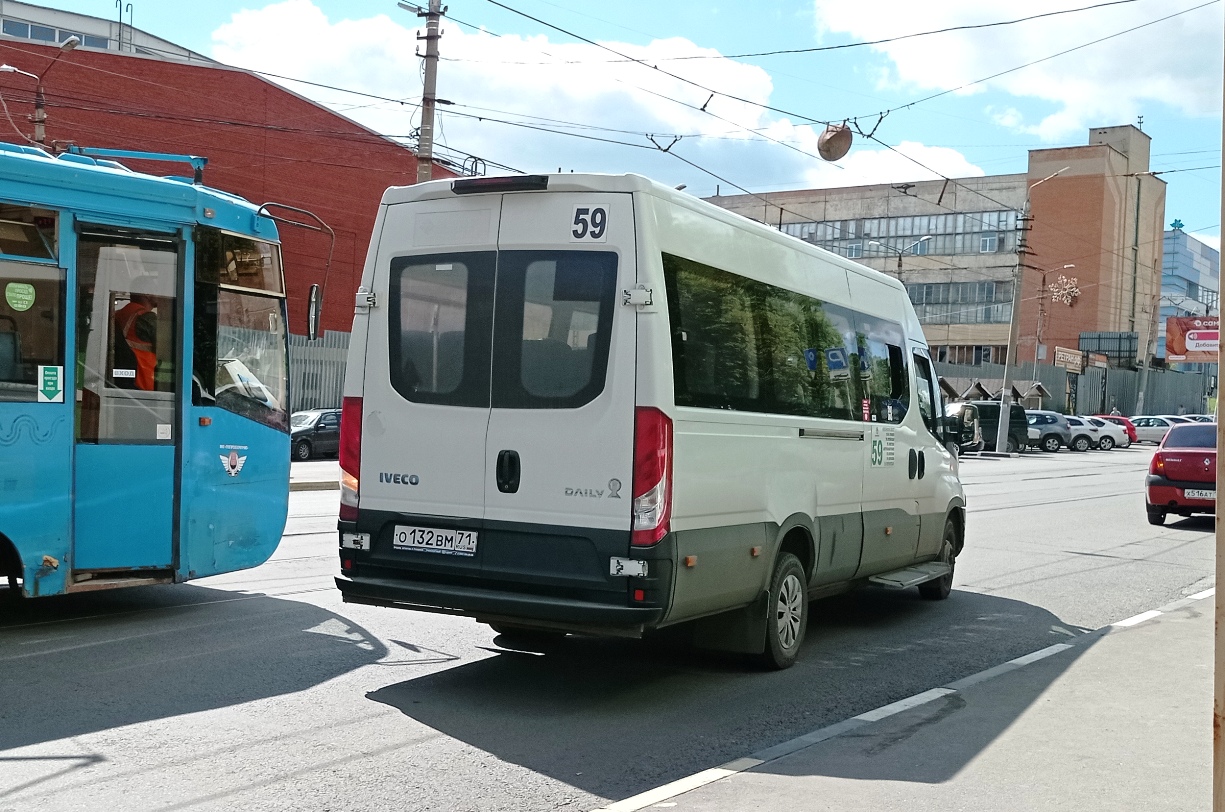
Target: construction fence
(1096,390)
(317,370)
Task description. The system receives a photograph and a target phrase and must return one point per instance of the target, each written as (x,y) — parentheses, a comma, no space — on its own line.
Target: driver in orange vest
(136,324)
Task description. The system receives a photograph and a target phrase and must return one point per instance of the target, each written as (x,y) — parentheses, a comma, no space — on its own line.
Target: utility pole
(425,138)
(1150,343)
(1218,704)
(1014,324)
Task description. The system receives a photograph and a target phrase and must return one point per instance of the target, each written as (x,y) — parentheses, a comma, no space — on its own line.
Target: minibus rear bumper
(492,604)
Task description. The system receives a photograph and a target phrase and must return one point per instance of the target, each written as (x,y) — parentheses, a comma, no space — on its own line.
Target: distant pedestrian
(1115,411)
(1182,409)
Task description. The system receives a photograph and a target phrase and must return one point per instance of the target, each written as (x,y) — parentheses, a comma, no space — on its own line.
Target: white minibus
(593,404)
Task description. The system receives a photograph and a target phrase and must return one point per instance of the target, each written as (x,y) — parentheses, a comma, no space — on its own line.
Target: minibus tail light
(652,507)
(350,456)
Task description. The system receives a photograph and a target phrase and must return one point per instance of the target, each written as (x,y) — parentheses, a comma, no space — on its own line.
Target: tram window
(225,259)
(27,232)
(127,338)
(31,327)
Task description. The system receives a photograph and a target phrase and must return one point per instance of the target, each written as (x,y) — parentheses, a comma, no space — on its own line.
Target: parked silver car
(1084,434)
(1152,429)
(1048,430)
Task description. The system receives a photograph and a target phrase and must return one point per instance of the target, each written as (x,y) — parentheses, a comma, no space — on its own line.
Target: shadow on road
(615,718)
(82,663)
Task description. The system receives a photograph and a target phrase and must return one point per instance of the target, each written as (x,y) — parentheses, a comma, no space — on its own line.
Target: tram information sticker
(19,296)
(50,384)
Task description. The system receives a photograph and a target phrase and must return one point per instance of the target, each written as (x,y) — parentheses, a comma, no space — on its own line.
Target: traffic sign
(837,363)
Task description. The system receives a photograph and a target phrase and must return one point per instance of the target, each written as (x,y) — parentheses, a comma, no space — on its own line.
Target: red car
(1122,421)
(1182,476)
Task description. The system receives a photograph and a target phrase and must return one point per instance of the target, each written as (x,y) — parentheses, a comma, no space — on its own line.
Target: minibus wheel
(787,617)
(942,587)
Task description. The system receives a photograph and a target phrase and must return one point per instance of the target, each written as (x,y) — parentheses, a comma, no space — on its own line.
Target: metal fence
(317,370)
(1168,392)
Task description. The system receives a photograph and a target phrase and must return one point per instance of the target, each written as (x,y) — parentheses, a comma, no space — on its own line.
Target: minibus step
(912,576)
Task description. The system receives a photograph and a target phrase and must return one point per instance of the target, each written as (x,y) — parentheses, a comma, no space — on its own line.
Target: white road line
(1135,620)
(663,793)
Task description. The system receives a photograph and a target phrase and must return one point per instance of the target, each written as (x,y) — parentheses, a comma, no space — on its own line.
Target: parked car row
(1050,431)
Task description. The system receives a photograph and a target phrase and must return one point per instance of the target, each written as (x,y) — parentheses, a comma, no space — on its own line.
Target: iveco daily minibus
(592,404)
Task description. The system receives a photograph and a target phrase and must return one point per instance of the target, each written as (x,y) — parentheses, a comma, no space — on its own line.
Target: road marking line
(1135,620)
(681,786)
(1041,654)
(655,797)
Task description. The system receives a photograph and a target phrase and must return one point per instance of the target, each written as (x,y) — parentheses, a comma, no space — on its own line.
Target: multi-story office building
(954,244)
(1190,283)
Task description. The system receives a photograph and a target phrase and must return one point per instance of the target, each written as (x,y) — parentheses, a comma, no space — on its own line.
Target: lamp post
(900,251)
(40,101)
(1014,323)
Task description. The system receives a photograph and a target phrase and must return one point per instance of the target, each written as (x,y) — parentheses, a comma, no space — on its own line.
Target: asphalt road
(261,690)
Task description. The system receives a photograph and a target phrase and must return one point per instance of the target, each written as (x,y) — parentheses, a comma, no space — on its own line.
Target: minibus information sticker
(883,446)
(433,540)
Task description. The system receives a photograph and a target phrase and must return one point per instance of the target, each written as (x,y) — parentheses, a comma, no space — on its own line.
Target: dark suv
(989,421)
(314,432)
(1048,430)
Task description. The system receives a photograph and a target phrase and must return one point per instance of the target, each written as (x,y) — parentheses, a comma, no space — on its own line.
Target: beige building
(955,246)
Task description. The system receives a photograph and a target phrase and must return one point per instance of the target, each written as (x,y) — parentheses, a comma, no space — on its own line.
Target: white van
(593,404)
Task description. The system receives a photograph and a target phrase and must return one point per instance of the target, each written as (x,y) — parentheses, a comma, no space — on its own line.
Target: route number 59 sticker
(590,223)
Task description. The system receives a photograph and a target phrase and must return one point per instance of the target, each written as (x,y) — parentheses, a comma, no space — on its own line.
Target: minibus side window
(926,392)
(882,369)
(743,345)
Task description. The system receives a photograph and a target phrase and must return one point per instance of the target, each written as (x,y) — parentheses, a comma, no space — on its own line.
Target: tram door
(128,378)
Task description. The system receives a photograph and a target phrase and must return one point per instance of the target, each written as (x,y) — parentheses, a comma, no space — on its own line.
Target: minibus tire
(942,587)
(787,613)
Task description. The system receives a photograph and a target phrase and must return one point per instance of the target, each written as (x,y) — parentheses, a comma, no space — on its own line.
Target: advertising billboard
(1192,339)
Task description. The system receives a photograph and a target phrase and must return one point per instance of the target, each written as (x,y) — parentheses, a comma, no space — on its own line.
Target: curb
(326,485)
(701,779)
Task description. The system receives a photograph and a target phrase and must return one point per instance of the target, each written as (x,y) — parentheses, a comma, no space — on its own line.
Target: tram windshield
(241,356)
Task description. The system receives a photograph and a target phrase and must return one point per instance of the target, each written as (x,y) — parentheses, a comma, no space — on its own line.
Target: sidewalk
(314,475)
(1121,720)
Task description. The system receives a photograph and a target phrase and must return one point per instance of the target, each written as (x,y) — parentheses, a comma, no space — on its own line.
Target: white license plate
(433,540)
(1194,494)
(629,567)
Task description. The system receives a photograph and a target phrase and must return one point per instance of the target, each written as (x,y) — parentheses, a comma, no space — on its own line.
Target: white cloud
(1175,63)
(561,82)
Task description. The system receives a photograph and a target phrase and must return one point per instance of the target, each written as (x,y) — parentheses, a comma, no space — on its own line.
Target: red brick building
(263,143)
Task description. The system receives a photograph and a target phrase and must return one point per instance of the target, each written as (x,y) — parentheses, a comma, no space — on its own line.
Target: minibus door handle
(913,466)
(922,464)
(507,471)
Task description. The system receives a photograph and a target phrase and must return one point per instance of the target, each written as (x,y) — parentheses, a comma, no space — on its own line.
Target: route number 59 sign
(590,223)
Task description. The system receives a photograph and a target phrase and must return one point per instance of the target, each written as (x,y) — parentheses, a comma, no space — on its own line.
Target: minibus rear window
(512,329)
(441,311)
(553,326)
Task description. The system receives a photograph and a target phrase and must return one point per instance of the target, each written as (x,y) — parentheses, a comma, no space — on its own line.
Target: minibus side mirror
(312,314)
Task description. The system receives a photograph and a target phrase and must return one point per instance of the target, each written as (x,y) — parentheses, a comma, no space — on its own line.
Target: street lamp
(900,251)
(1014,322)
(40,102)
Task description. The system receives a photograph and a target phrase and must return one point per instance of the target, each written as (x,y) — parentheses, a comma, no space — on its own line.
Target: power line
(817,49)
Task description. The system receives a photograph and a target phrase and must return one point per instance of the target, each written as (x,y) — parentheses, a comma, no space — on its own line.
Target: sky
(681,90)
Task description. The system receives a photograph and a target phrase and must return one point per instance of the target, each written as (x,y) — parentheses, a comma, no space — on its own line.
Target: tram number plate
(1194,494)
(433,540)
